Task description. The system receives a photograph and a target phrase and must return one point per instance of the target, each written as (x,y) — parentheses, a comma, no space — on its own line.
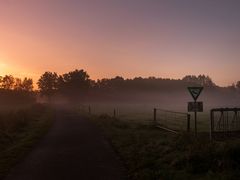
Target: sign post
(195,106)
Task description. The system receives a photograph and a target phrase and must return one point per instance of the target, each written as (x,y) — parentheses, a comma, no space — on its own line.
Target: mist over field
(76,88)
(175,100)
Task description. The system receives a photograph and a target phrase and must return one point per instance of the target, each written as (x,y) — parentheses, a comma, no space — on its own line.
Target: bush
(11,122)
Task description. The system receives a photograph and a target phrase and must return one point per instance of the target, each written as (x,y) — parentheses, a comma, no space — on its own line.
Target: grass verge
(150,153)
(19,131)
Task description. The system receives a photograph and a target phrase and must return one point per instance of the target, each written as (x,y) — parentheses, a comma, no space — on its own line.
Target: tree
(205,81)
(23,85)
(1,79)
(190,79)
(48,83)
(18,84)
(74,82)
(199,80)
(27,84)
(8,82)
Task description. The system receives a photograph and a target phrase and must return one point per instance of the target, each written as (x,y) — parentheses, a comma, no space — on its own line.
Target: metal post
(195,115)
(155,116)
(114,113)
(89,109)
(188,122)
(211,124)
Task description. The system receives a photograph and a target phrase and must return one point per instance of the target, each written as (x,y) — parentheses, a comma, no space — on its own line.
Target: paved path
(73,149)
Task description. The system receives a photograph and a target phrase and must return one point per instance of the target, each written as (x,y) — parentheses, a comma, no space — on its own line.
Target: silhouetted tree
(74,83)
(15,91)
(8,82)
(23,85)
(27,84)
(18,84)
(205,81)
(200,80)
(48,84)
(1,78)
(190,79)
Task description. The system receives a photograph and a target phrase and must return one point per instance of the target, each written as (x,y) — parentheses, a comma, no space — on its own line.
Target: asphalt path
(73,149)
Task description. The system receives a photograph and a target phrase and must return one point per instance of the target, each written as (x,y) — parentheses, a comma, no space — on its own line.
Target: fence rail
(165,119)
(171,120)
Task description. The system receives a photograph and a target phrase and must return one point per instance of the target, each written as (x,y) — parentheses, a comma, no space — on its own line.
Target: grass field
(19,131)
(144,113)
(150,153)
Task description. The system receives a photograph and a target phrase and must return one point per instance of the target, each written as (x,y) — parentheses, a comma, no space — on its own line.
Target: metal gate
(224,122)
(171,121)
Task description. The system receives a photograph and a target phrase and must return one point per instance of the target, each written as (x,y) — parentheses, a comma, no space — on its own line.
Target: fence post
(114,113)
(188,122)
(89,109)
(155,116)
(211,124)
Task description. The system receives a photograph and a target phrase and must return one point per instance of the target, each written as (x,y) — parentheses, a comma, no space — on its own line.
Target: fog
(144,102)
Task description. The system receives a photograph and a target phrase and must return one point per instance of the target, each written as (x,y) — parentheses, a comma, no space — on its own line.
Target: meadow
(143,113)
(20,129)
(152,153)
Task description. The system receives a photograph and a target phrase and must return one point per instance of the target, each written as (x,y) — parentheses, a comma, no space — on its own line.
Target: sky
(129,38)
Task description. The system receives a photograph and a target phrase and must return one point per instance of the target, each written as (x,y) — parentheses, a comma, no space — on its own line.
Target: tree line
(77,84)
(9,82)
(16,91)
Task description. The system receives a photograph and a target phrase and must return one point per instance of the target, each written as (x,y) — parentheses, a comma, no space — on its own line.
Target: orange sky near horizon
(111,38)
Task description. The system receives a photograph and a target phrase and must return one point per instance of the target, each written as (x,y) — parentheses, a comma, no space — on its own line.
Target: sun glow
(3,68)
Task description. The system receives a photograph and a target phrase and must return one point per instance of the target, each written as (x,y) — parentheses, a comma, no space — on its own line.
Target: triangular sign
(195,92)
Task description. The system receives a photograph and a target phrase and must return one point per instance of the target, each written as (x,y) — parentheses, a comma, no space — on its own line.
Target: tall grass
(140,112)
(149,153)
(19,130)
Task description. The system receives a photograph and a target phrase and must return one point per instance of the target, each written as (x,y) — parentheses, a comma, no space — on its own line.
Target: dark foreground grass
(150,153)
(19,131)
